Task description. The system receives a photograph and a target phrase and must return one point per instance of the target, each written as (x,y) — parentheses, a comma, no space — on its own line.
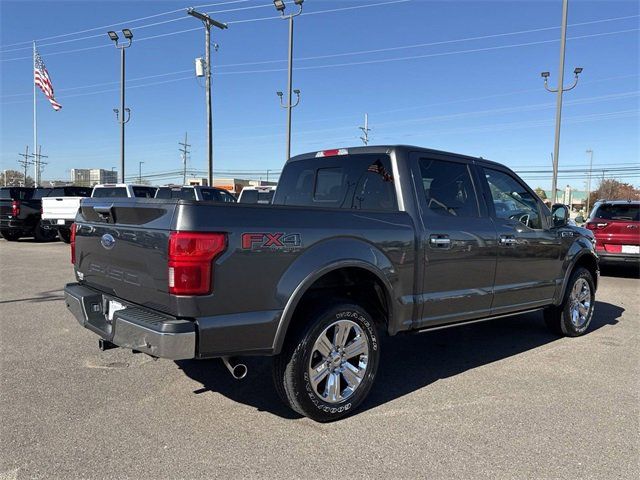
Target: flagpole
(36,180)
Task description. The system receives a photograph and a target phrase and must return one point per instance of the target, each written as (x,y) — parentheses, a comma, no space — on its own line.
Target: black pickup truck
(358,243)
(20,214)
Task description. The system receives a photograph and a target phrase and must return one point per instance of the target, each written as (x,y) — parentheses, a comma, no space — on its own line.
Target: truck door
(529,250)
(458,240)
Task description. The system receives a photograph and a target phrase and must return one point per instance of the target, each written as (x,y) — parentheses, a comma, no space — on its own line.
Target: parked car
(20,214)
(358,243)
(196,192)
(257,194)
(616,227)
(123,190)
(59,209)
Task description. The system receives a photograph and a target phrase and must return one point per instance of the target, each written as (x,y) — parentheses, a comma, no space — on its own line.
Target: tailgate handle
(103,209)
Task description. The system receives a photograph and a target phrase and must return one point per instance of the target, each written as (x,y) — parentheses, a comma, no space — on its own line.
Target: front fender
(580,248)
(326,257)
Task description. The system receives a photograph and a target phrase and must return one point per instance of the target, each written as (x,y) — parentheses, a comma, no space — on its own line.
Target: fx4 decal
(279,241)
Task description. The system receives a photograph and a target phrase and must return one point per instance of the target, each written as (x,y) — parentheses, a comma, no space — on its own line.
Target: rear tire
(10,235)
(573,316)
(326,369)
(43,235)
(65,235)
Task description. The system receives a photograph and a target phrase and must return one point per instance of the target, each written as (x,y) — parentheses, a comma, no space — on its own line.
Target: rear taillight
(596,225)
(191,257)
(73,243)
(15,208)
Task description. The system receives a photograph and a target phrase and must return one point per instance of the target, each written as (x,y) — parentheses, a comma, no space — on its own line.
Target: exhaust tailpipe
(237,370)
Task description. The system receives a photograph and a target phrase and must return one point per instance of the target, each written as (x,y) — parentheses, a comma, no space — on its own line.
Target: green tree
(541,193)
(611,189)
(14,178)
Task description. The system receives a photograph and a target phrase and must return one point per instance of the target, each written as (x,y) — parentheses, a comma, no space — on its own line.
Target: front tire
(573,316)
(326,370)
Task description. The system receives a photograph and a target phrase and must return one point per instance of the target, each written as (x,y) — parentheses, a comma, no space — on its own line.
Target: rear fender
(324,258)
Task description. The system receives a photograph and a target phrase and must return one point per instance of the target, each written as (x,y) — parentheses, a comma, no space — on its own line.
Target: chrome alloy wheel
(580,303)
(338,361)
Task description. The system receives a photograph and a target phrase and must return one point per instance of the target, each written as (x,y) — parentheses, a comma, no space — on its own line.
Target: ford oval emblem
(107,241)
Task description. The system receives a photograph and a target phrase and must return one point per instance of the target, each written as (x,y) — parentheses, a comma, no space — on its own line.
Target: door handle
(507,241)
(439,241)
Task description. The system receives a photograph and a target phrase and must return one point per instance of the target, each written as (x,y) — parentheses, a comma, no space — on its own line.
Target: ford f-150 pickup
(359,243)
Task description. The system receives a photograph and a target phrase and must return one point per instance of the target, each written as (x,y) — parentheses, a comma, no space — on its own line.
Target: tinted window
(512,200)
(226,197)
(448,188)
(41,192)
(144,192)
(349,181)
(165,193)
(608,211)
(330,185)
(210,195)
(70,192)
(110,192)
(16,193)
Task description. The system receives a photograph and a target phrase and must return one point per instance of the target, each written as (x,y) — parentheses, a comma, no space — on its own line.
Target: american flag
(43,81)
(377,167)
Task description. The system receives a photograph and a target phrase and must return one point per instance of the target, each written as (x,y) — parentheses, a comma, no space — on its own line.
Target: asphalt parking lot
(503,399)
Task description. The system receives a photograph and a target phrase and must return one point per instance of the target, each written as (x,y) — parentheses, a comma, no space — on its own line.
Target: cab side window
(512,200)
(448,188)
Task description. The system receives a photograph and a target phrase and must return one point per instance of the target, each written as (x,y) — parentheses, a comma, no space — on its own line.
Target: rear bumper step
(133,327)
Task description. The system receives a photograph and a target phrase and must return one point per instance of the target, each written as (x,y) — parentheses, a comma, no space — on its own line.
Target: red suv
(616,226)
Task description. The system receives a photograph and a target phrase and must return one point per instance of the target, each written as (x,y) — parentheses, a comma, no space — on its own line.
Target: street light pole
(140,172)
(590,152)
(280,6)
(208,22)
(123,115)
(560,90)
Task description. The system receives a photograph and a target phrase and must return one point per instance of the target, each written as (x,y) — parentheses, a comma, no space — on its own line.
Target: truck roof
(385,149)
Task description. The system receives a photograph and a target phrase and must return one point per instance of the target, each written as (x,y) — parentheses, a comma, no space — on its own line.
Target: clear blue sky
(465,96)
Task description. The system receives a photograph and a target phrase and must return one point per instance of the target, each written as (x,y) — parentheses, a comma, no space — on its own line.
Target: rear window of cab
(359,182)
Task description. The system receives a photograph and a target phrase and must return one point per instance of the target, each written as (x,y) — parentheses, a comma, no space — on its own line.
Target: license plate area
(630,248)
(60,221)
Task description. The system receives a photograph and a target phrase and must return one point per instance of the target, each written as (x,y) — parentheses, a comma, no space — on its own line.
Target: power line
(124,21)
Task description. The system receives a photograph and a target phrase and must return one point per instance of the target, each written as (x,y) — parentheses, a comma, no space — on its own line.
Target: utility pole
(185,152)
(140,172)
(365,130)
(25,162)
(123,115)
(590,152)
(559,90)
(208,23)
(39,163)
(280,7)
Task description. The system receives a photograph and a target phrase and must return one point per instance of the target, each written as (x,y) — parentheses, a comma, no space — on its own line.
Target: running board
(469,322)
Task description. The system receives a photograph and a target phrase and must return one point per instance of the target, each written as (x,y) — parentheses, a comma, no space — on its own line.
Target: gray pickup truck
(359,243)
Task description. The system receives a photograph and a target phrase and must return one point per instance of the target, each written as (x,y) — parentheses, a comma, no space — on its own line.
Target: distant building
(88,177)
(233,185)
(576,199)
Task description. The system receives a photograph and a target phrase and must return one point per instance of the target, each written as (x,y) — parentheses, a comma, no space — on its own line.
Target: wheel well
(590,263)
(351,283)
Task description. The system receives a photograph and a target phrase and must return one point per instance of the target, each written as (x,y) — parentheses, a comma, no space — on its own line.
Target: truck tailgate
(121,249)
(57,208)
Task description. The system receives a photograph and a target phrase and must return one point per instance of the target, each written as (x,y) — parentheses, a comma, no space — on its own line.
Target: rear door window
(448,188)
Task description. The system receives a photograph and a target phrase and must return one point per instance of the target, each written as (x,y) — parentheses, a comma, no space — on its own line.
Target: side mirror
(559,215)
(579,219)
